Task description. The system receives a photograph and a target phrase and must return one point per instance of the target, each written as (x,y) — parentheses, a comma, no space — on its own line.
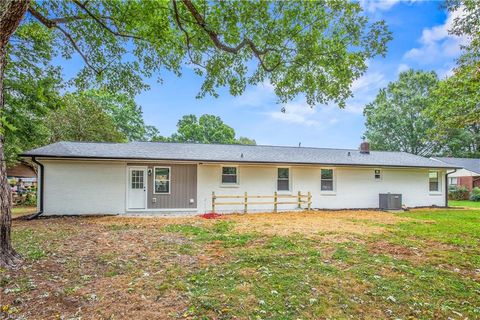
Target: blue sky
(420,41)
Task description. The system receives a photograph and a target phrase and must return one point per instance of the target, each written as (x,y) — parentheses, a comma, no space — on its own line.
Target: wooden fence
(299,200)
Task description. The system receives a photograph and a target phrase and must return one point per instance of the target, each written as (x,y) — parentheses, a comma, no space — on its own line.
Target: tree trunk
(11,13)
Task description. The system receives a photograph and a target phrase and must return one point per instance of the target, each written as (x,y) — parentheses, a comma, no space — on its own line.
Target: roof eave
(235,161)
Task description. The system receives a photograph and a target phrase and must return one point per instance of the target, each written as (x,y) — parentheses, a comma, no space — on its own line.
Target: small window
(378,174)
(229,175)
(327,180)
(162,180)
(453,181)
(433,181)
(283,179)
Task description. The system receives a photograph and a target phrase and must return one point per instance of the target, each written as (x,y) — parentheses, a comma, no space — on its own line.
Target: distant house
(22,174)
(468,175)
(154,177)
(21,171)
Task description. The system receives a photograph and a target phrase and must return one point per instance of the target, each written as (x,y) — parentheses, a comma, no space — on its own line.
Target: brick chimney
(365,147)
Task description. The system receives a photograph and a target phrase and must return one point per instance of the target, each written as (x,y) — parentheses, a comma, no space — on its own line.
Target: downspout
(446,187)
(40,185)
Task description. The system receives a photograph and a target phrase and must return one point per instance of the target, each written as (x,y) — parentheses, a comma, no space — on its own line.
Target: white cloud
(256,96)
(364,91)
(402,67)
(299,113)
(437,44)
(380,5)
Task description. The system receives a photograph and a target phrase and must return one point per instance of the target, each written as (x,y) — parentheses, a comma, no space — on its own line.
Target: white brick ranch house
(154,177)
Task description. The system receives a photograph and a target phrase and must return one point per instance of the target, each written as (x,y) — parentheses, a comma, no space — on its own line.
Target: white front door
(137,187)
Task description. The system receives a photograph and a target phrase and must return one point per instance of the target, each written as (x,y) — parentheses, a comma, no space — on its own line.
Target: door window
(137,179)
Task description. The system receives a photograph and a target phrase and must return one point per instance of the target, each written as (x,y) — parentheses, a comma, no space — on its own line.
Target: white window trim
(169,179)
(381,174)
(289,191)
(334,183)
(229,185)
(439,191)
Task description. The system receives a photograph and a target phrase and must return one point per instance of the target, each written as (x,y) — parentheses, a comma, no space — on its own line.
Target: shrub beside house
(475,194)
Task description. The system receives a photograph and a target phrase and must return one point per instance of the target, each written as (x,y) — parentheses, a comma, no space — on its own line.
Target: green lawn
(21,211)
(424,264)
(464,203)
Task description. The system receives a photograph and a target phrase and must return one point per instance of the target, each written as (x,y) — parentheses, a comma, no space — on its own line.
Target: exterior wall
(183,187)
(466,181)
(354,187)
(84,187)
(99,187)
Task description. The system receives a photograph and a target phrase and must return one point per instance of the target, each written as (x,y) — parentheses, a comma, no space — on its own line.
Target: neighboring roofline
(232,161)
(472,171)
(444,160)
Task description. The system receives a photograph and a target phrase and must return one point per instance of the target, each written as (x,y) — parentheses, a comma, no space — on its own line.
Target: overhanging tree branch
(101,23)
(52,24)
(187,36)
(224,47)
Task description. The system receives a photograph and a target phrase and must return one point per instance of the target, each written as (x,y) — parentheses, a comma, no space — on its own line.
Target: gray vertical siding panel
(183,187)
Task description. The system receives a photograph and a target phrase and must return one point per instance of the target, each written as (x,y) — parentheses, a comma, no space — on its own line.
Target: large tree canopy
(95,116)
(31,89)
(395,119)
(467,25)
(406,116)
(126,115)
(315,48)
(455,103)
(454,108)
(206,129)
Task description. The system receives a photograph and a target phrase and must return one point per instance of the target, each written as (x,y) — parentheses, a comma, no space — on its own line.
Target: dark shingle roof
(465,163)
(232,153)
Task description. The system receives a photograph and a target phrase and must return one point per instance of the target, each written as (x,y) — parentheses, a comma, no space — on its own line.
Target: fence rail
(300,199)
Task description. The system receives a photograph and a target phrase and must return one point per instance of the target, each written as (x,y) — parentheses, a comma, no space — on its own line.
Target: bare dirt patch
(397,251)
(95,271)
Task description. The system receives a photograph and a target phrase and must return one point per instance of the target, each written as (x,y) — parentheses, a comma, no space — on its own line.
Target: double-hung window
(377,174)
(162,180)
(229,175)
(434,181)
(326,180)
(283,179)
(453,181)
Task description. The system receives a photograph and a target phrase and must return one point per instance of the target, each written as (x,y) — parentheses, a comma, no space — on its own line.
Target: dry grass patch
(19,211)
(336,226)
(76,268)
(316,223)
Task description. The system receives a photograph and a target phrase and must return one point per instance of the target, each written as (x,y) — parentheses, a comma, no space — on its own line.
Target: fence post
(309,201)
(275,199)
(213,201)
(245,203)
(299,200)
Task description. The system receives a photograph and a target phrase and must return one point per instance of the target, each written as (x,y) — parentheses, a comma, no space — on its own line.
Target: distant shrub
(30,199)
(475,195)
(458,193)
